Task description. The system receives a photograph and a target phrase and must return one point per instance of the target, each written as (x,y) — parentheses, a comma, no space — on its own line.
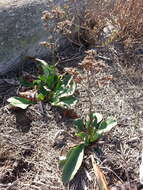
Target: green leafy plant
(20,102)
(50,87)
(90,130)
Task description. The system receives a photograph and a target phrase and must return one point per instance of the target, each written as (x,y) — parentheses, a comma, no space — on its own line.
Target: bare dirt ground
(31,141)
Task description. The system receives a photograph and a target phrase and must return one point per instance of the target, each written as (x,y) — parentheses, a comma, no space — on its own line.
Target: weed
(127,17)
(89,129)
(50,87)
(100,24)
(81,27)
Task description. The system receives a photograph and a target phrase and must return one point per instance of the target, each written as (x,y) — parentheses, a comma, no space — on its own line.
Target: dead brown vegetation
(32,142)
(127,16)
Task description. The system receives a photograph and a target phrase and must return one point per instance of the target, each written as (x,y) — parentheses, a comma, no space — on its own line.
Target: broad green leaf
(56,81)
(87,121)
(67,80)
(44,66)
(41,97)
(66,91)
(69,91)
(51,81)
(69,101)
(59,84)
(26,83)
(73,163)
(82,135)
(63,159)
(79,124)
(98,117)
(43,90)
(95,137)
(47,89)
(20,102)
(47,70)
(64,102)
(42,62)
(54,100)
(43,78)
(37,82)
(95,118)
(107,125)
(59,90)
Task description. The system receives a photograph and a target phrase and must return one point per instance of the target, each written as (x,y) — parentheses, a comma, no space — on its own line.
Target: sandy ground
(32,141)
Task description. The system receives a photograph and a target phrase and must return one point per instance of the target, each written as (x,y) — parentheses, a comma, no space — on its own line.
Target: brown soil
(31,141)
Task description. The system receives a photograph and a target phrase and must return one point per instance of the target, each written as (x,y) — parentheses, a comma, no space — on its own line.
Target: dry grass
(29,160)
(127,16)
(119,24)
(100,23)
(30,147)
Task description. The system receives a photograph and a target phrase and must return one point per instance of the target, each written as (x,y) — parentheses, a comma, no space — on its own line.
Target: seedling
(90,130)
(50,87)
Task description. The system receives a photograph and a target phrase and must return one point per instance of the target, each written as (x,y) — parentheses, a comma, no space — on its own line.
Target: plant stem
(88,90)
(90,104)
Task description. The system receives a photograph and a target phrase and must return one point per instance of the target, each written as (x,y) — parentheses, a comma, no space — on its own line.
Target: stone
(21,31)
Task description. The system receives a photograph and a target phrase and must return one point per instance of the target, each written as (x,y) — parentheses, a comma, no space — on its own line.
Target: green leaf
(107,125)
(41,97)
(26,83)
(73,163)
(98,117)
(63,159)
(59,84)
(37,82)
(69,101)
(42,62)
(47,70)
(95,117)
(43,78)
(67,80)
(20,102)
(47,89)
(95,137)
(82,135)
(69,91)
(79,124)
(44,66)
(51,81)
(87,121)
(64,91)
(43,90)
(64,102)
